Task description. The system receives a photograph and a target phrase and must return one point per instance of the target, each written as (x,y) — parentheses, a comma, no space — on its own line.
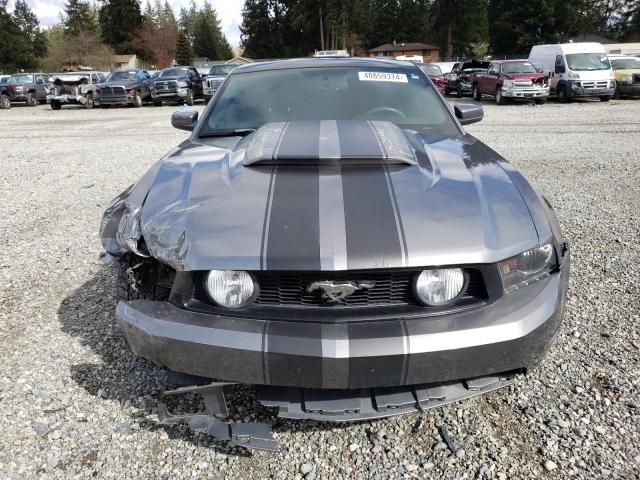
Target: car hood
(621,73)
(163,79)
(220,205)
(121,83)
(525,76)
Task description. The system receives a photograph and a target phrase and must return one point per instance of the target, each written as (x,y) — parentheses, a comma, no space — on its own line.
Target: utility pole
(321,30)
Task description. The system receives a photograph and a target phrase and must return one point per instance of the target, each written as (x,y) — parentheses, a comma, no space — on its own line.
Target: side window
(494,69)
(94,78)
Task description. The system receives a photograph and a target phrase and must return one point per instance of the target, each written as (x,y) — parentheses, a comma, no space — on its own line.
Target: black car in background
(460,79)
(125,87)
(177,84)
(31,88)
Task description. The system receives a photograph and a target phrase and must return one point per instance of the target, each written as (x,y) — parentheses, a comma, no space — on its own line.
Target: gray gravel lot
(74,400)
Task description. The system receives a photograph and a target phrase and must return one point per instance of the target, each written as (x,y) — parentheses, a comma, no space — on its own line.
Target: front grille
(392,287)
(214,84)
(165,86)
(603,84)
(112,92)
(522,83)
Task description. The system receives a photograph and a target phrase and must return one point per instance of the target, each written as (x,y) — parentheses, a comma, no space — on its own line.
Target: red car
(511,79)
(435,74)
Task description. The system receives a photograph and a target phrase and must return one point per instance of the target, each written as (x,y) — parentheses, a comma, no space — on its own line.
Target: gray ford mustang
(330,234)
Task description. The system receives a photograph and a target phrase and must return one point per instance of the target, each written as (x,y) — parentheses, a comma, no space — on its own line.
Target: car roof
(520,60)
(319,62)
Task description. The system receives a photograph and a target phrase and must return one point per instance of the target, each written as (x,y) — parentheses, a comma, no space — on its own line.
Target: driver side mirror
(560,69)
(184,120)
(468,113)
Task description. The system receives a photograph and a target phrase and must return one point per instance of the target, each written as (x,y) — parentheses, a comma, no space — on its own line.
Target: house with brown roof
(430,53)
(124,61)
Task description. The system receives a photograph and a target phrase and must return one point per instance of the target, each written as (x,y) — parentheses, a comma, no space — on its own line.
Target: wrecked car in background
(434,72)
(331,234)
(74,88)
(177,84)
(460,79)
(30,88)
(511,79)
(125,87)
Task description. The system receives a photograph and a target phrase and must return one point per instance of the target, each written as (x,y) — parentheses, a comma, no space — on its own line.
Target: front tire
(459,91)
(89,102)
(500,100)
(5,102)
(137,100)
(32,101)
(605,99)
(476,93)
(189,100)
(563,96)
(55,106)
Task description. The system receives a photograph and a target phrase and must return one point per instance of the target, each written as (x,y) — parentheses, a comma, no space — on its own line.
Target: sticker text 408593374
(382,77)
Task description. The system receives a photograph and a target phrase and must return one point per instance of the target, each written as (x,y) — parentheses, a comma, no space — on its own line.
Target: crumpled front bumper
(66,98)
(526,92)
(512,333)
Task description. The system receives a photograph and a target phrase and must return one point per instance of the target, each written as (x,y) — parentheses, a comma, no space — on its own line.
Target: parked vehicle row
(131,87)
(564,71)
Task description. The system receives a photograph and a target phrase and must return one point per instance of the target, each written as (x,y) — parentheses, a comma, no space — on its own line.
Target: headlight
(626,79)
(439,286)
(573,75)
(508,84)
(19,88)
(230,288)
(527,267)
(183,84)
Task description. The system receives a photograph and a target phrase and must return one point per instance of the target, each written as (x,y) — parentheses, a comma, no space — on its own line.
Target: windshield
(122,76)
(588,61)
(399,95)
(625,63)
(20,79)
(174,72)
(431,70)
(518,68)
(221,69)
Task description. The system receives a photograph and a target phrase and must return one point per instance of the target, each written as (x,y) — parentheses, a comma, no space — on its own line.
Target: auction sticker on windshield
(382,77)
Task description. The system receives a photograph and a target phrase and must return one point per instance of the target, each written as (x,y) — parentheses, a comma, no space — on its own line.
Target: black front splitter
(319,405)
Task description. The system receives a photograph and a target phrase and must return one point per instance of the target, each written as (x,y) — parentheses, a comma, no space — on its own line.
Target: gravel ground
(74,400)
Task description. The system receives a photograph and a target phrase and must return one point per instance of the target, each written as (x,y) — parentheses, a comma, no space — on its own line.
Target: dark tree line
(22,42)
(284,28)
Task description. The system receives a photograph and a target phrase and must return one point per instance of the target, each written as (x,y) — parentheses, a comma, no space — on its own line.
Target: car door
(41,86)
(145,78)
(196,82)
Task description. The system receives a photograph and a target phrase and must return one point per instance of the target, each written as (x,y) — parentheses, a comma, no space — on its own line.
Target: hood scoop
(328,142)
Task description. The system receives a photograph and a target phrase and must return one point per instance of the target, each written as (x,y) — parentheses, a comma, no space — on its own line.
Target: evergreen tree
(118,20)
(79,17)
(208,39)
(184,53)
(460,25)
(29,24)
(16,49)
(256,29)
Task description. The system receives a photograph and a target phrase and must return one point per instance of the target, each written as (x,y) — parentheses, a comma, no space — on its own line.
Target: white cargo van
(575,70)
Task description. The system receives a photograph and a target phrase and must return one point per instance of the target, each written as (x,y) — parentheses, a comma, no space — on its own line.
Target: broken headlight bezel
(527,267)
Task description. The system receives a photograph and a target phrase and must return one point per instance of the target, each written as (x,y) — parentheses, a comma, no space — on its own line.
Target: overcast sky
(229,12)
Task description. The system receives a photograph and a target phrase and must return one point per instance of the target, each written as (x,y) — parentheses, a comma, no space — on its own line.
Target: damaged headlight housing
(439,286)
(230,288)
(527,267)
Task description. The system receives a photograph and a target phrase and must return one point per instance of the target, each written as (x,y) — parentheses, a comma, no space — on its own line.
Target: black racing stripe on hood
(373,240)
(293,237)
(301,139)
(357,139)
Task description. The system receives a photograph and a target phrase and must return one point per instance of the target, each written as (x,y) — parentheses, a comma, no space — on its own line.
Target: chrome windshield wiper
(238,132)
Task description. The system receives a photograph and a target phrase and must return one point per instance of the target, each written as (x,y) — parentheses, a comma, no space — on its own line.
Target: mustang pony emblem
(336,291)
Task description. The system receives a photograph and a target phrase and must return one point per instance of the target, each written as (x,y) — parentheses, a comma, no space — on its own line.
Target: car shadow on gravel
(88,314)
